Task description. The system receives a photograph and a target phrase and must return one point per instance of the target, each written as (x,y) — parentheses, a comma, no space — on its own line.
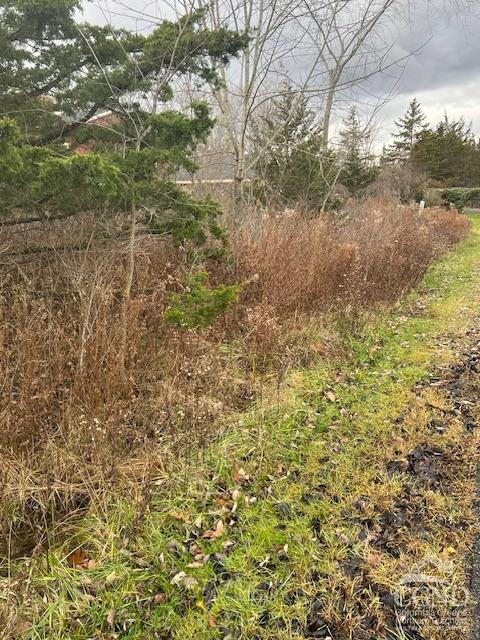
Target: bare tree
(349,45)
(321,46)
(270,25)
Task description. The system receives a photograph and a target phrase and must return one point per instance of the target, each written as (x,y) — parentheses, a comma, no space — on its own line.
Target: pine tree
(410,128)
(57,72)
(357,168)
(132,170)
(278,135)
(449,154)
(292,164)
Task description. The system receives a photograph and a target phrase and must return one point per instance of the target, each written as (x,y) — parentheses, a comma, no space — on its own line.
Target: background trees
(62,73)
(447,153)
(409,130)
(295,167)
(270,27)
(288,142)
(320,49)
(357,162)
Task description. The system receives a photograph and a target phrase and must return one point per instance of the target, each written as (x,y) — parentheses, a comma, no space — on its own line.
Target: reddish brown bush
(69,419)
(375,253)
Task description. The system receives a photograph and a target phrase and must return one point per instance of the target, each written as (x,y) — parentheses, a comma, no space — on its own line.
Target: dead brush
(44,493)
(369,257)
(71,425)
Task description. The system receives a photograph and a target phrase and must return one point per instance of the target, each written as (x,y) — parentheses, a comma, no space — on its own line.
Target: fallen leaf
(159,598)
(174,546)
(212,622)
(111,619)
(227,544)
(373,559)
(178,577)
(282,553)
(182,578)
(239,474)
(190,582)
(176,515)
(215,533)
(360,504)
(446,551)
(112,579)
(78,559)
(331,396)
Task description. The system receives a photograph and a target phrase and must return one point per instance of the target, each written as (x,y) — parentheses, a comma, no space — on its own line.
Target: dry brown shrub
(71,425)
(371,256)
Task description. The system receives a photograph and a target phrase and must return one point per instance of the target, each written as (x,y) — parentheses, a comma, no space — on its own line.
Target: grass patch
(264,534)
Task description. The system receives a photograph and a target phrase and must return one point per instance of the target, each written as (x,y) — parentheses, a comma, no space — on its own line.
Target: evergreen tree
(410,128)
(357,168)
(449,153)
(293,165)
(54,74)
(57,73)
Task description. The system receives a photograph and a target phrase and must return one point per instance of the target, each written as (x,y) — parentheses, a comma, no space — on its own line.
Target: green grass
(294,470)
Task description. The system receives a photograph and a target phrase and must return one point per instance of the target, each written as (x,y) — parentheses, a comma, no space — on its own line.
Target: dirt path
(440,603)
(475,579)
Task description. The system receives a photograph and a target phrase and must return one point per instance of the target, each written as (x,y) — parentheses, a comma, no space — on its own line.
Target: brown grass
(71,425)
(372,257)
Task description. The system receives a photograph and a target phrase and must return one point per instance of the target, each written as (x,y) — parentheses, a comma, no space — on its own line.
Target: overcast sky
(444,74)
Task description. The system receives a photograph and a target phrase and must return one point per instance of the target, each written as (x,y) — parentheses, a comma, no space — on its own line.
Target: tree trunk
(239,183)
(127,290)
(327,115)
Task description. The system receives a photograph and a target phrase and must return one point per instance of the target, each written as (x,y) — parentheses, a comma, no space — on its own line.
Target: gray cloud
(444,74)
(451,56)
